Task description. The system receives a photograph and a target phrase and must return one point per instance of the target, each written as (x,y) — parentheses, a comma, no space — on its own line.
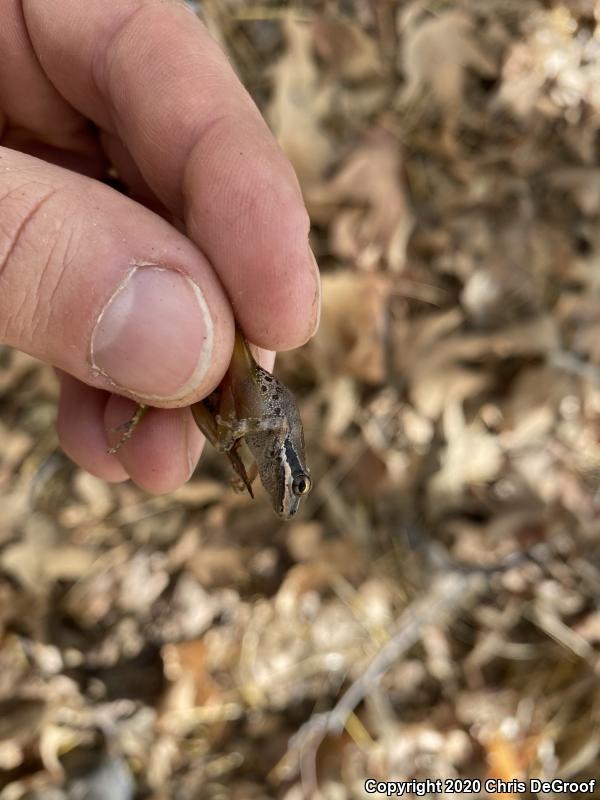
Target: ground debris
(434,612)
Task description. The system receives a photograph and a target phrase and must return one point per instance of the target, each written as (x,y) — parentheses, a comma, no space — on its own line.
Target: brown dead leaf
(217,566)
(589,627)
(40,559)
(582,184)
(472,456)
(142,583)
(436,53)
(375,219)
(553,71)
(318,577)
(298,105)
(95,493)
(189,612)
(509,759)
(186,670)
(349,52)
(351,337)
(433,351)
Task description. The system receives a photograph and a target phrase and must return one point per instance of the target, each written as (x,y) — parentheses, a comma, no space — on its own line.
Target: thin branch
(449,591)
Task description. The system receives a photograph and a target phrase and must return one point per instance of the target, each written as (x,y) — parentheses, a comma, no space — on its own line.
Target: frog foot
(127,428)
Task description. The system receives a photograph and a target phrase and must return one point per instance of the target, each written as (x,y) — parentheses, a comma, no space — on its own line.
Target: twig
(449,591)
(569,362)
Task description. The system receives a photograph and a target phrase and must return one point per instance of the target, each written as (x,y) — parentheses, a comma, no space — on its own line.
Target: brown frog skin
(250,404)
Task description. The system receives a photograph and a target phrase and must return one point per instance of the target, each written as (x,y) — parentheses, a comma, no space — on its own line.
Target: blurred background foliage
(189,646)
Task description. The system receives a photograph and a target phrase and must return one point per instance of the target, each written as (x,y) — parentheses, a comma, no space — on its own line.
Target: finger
(28,100)
(159,458)
(162,454)
(149,73)
(81,429)
(106,290)
(129,173)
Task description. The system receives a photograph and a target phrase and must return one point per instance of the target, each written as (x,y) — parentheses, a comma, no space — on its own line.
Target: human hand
(114,294)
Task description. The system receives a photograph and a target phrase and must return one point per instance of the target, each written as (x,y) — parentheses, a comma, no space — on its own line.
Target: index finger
(149,73)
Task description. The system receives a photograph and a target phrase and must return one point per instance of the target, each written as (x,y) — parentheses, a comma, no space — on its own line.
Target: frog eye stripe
(292,458)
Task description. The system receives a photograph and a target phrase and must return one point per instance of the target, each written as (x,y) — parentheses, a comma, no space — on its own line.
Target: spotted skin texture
(251,404)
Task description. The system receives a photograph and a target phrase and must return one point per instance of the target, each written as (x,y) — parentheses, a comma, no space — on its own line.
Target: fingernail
(154,337)
(317,298)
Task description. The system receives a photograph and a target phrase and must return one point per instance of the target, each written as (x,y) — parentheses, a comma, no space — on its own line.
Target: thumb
(104,289)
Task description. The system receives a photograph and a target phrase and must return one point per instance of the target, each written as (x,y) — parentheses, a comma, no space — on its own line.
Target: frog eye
(301,485)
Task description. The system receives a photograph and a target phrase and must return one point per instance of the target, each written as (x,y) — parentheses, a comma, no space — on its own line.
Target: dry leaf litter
(433,613)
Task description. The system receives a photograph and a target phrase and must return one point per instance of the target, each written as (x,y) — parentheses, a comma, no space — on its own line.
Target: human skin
(133,298)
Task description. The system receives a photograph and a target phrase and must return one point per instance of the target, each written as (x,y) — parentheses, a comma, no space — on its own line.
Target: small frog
(250,404)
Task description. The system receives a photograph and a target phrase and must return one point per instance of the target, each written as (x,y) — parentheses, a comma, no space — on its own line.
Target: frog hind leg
(205,420)
(239,467)
(127,428)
